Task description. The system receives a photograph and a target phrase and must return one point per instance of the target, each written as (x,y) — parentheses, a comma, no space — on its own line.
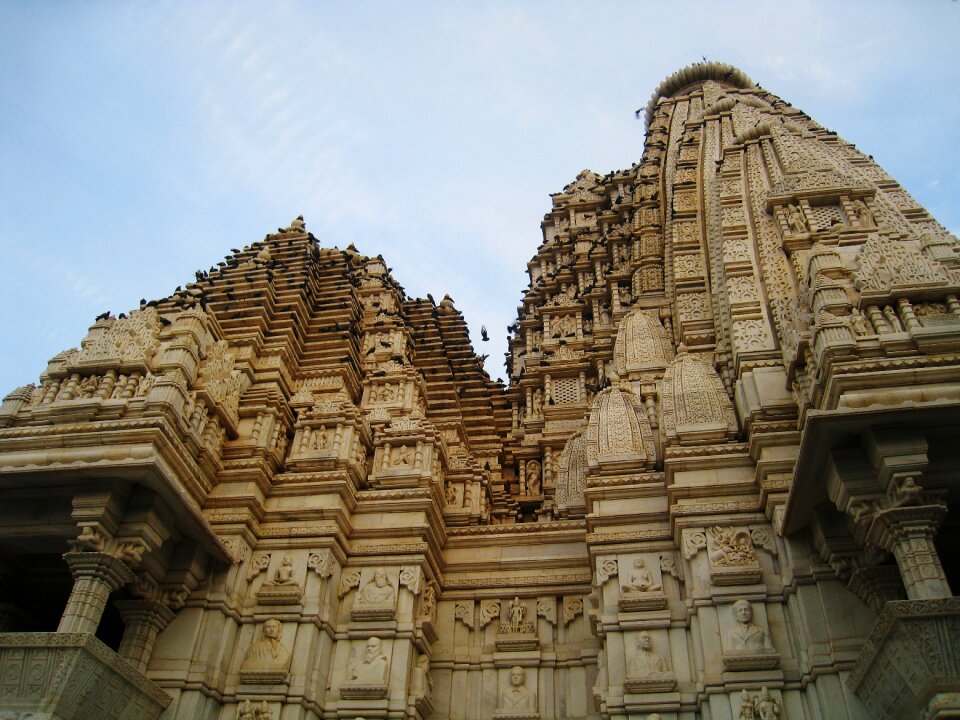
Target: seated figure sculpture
(641,579)
(284,574)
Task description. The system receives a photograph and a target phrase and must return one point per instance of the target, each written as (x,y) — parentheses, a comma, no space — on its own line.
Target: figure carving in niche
(537,340)
(645,662)
(859,323)
(451,495)
(387,394)
(795,220)
(565,326)
(372,667)
(625,297)
(517,613)
(267,654)
(732,548)
(538,403)
(518,696)
(421,684)
(604,316)
(378,591)
(533,478)
(245,711)
(891,315)
(767,707)
(404,456)
(320,440)
(862,213)
(746,636)
(284,574)
(641,579)
(747,709)
(248,711)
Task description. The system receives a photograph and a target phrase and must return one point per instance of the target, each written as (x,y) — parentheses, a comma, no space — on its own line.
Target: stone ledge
(73,676)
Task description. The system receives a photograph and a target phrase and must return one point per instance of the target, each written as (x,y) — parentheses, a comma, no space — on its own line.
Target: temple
(718,485)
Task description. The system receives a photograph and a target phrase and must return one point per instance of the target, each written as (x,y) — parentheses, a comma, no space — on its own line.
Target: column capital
(891,526)
(101,566)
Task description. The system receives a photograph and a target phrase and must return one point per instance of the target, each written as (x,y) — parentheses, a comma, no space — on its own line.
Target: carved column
(143,619)
(95,576)
(908,533)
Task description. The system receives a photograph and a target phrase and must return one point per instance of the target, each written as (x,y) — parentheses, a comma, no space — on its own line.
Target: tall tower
(717,486)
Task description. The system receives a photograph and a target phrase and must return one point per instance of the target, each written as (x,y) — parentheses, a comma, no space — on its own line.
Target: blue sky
(140,141)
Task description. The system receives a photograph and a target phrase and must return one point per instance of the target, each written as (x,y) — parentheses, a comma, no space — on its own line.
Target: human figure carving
(517,613)
(404,456)
(245,711)
(421,684)
(378,591)
(451,495)
(859,323)
(891,315)
(538,404)
(746,706)
(284,574)
(372,667)
(767,707)
(645,662)
(641,579)
(533,478)
(795,220)
(863,214)
(268,653)
(746,636)
(518,696)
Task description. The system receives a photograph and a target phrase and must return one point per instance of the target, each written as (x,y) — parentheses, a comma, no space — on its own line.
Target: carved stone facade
(717,487)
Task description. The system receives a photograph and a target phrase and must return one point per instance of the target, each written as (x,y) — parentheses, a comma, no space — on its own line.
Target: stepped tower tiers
(717,486)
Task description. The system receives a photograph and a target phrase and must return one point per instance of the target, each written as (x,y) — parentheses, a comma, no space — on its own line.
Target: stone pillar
(143,620)
(95,576)
(908,533)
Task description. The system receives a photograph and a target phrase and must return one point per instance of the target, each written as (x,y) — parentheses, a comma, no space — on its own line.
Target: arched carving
(642,344)
(696,408)
(573,469)
(619,431)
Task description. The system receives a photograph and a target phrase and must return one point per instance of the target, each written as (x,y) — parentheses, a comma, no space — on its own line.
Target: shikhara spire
(731,418)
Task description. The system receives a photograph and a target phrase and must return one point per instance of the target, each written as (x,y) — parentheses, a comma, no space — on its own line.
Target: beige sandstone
(717,486)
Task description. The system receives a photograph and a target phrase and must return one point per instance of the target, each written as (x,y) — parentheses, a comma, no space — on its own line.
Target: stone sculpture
(378,591)
(371,668)
(267,659)
(517,699)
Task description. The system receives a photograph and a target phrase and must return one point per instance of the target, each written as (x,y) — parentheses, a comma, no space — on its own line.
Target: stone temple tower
(717,487)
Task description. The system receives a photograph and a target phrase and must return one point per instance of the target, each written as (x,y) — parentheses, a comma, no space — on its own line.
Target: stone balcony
(910,664)
(72,676)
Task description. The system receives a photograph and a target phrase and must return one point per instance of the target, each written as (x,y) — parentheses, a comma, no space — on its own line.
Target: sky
(140,141)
